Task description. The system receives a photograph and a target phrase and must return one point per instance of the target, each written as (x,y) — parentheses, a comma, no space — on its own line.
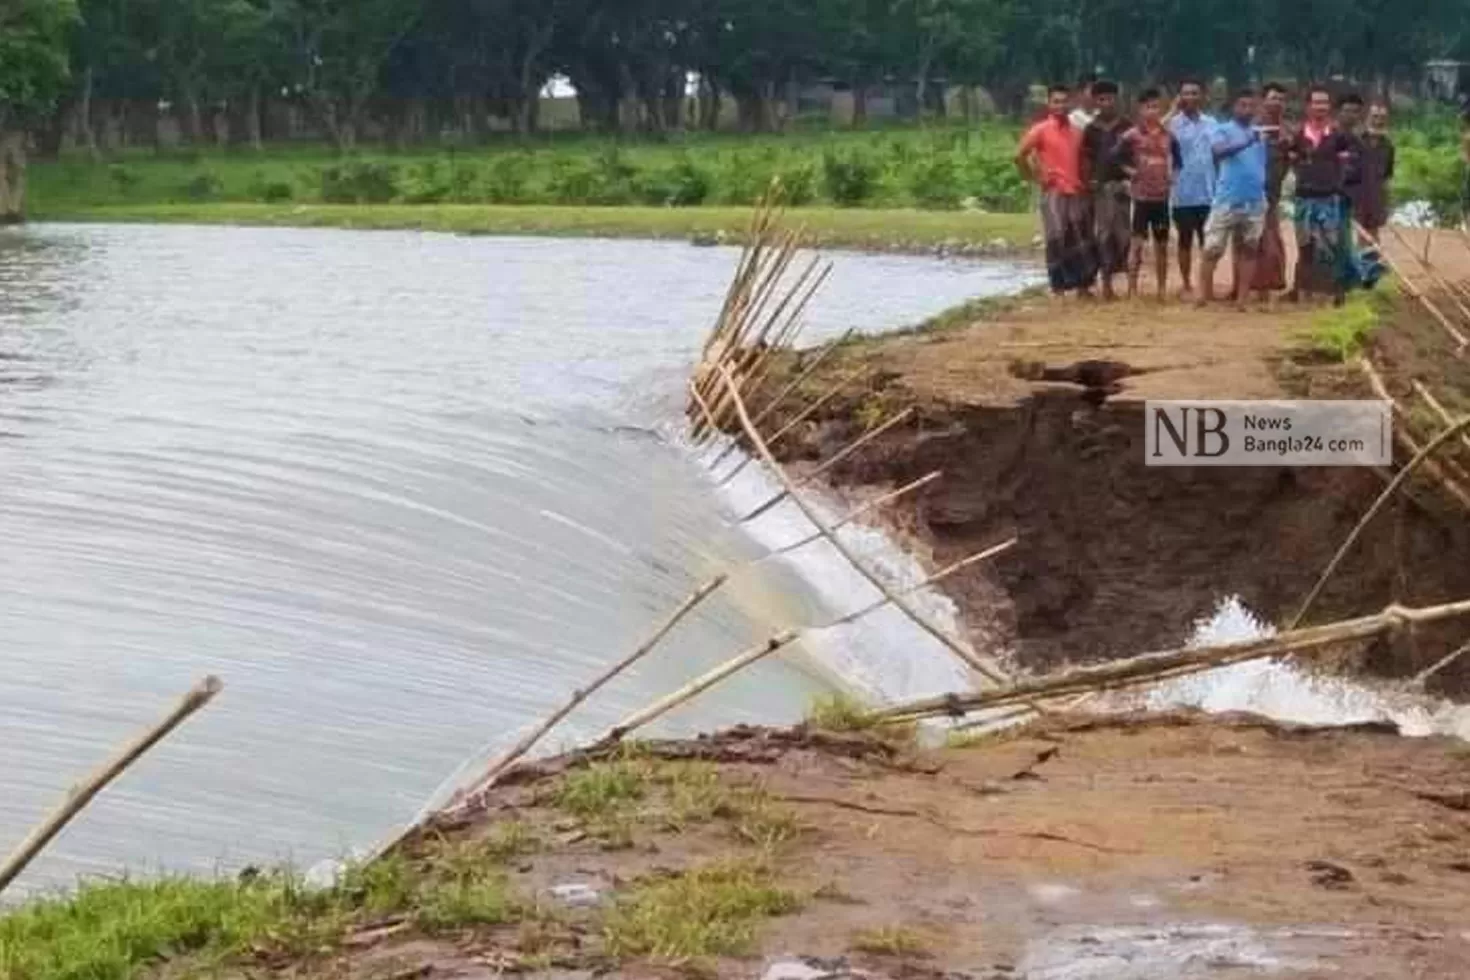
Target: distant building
(1446,80)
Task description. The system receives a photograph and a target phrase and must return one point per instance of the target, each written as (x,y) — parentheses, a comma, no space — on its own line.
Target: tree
(33,73)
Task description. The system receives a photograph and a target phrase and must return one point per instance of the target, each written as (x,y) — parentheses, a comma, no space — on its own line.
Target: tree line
(420,67)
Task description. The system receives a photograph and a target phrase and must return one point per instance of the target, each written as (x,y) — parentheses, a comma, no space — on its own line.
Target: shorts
(1191,222)
(1151,216)
(1245,221)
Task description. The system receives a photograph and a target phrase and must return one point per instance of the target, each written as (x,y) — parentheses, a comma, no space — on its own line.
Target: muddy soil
(1035,415)
(1160,848)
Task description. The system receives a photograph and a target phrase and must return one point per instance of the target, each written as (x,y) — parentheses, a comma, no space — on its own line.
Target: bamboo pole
(1151,667)
(799,418)
(1438,409)
(934,579)
(1425,301)
(1439,665)
(1383,498)
(1433,274)
(1453,482)
(972,659)
(84,792)
(762,650)
(836,458)
(857,512)
(515,752)
(781,396)
(786,334)
(697,686)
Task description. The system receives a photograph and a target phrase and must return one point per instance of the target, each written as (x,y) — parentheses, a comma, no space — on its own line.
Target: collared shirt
(1320,155)
(1194,185)
(1058,147)
(1241,181)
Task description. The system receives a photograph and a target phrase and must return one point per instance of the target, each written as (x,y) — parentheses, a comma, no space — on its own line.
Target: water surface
(400,491)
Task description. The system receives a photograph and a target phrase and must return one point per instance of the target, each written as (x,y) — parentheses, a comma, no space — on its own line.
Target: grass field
(912,188)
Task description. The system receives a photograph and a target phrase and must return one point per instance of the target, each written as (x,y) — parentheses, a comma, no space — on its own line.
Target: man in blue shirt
(1194,185)
(1238,210)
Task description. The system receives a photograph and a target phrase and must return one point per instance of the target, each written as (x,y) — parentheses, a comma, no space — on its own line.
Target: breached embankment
(1035,415)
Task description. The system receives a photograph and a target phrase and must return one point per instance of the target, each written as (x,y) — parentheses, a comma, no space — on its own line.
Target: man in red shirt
(1050,154)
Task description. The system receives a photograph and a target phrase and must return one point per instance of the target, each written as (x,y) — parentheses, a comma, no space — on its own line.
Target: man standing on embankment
(1194,185)
(1238,210)
(1050,154)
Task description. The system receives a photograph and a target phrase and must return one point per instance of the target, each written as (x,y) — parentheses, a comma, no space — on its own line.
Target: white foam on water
(1286,692)
(883,656)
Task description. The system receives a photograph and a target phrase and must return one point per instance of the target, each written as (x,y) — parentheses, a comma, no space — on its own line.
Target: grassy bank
(832,227)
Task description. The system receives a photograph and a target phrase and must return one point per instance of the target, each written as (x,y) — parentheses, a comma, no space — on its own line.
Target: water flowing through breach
(401,491)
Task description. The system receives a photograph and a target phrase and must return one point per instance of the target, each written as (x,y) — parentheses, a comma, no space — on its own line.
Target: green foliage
(203,186)
(33,55)
(271,191)
(848,178)
(713,910)
(359,182)
(838,712)
(603,787)
(1340,333)
(682,185)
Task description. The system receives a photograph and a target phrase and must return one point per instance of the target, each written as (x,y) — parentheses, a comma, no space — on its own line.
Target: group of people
(1110,184)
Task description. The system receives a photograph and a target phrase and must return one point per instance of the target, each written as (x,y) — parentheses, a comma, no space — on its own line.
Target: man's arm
(1223,148)
(1122,155)
(1025,150)
(1389,155)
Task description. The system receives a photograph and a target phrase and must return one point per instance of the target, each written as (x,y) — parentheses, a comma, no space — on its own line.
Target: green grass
(113,930)
(1340,333)
(714,910)
(891,941)
(830,227)
(838,712)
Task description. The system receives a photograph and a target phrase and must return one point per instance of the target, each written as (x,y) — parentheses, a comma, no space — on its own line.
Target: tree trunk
(859,105)
(709,103)
(252,120)
(193,118)
(84,116)
(12,176)
(53,134)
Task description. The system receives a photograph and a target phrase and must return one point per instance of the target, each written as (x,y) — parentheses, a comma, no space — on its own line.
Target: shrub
(359,182)
(123,178)
(933,182)
(679,186)
(506,178)
(426,183)
(203,186)
(270,191)
(605,179)
(847,179)
(798,183)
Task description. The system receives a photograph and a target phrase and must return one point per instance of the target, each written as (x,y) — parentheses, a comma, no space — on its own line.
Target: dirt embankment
(1035,415)
(1173,846)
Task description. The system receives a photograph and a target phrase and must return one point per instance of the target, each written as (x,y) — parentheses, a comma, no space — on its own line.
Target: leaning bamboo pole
(990,671)
(1437,280)
(832,461)
(793,422)
(531,738)
(1439,665)
(928,581)
(84,792)
(1418,294)
(1383,498)
(1438,409)
(1149,668)
(857,512)
(786,391)
(1446,474)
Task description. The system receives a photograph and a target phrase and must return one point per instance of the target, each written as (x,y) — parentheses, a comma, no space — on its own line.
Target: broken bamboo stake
(1453,483)
(762,650)
(1425,301)
(1151,667)
(781,396)
(799,418)
(515,752)
(857,512)
(934,579)
(1439,665)
(836,458)
(968,657)
(694,688)
(1433,274)
(84,792)
(1438,409)
(1388,491)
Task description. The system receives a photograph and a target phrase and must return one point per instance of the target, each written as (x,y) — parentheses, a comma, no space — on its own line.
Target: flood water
(402,492)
